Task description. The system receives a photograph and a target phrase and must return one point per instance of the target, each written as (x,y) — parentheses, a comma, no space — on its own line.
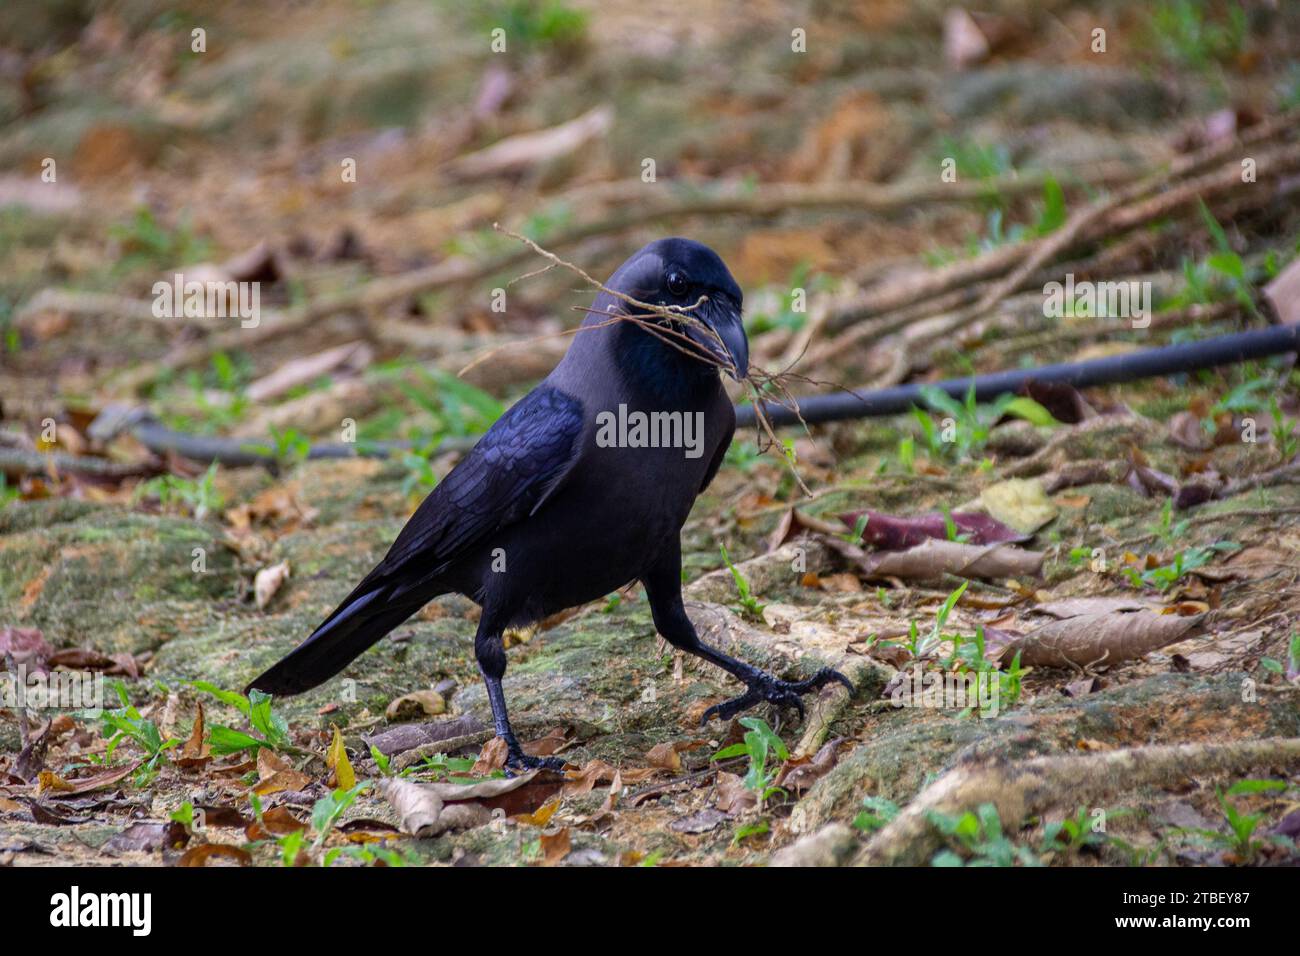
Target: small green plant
(306,845)
(126,723)
(184,815)
(535,23)
(289,446)
(744,455)
(975,160)
(749,604)
(1240,839)
(1222,274)
(950,529)
(420,478)
(785,316)
(446,769)
(197,496)
(976,839)
(373,854)
(217,398)
(1292,665)
(907,455)
(761,744)
(1185,37)
(876,813)
(922,647)
(970,656)
(1072,834)
(1248,397)
(327,810)
(1051,214)
(1165,576)
(1284,432)
(545,222)
(1011,682)
(8,493)
(1139,855)
(854,537)
(146,243)
(1230,266)
(1166,530)
(257,709)
(457,408)
(745,830)
(969,424)
(382,761)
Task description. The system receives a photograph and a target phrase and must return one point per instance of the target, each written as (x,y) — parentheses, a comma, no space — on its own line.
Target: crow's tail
(357,624)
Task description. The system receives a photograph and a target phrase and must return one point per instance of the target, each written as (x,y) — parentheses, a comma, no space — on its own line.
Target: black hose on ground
(1131,366)
(814,409)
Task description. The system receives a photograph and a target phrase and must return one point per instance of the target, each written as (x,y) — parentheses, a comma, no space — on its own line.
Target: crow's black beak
(725,336)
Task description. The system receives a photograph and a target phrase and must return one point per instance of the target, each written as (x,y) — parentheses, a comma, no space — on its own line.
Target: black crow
(578,489)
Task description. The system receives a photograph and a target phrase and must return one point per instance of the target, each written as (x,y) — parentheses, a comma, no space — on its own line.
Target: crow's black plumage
(547,512)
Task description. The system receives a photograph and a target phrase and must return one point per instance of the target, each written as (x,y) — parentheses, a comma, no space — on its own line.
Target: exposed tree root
(830,707)
(1022,790)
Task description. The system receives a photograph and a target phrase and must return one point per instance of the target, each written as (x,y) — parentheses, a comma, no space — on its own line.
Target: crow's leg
(491,655)
(663,585)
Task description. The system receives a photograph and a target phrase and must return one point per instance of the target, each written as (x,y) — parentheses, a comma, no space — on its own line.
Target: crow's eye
(677,283)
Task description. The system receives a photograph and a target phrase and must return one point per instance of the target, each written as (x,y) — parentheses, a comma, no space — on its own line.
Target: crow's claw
(519,762)
(766,688)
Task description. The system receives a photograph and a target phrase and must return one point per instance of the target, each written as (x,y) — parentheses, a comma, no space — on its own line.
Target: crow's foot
(764,687)
(518,762)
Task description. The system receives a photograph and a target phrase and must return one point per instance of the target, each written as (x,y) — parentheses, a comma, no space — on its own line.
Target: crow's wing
(508,475)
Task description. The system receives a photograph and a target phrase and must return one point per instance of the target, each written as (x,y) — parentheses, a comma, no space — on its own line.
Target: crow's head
(680,272)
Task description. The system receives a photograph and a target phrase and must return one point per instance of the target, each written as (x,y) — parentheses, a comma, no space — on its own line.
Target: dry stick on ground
(914,301)
(714,197)
(18,461)
(1028,788)
(1142,430)
(925,284)
(997,261)
(980,273)
(696,778)
(781,197)
(1280,475)
(830,707)
(451,745)
(97,304)
(1081,222)
(1203,519)
(1103,330)
(1105,217)
(1272,168)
